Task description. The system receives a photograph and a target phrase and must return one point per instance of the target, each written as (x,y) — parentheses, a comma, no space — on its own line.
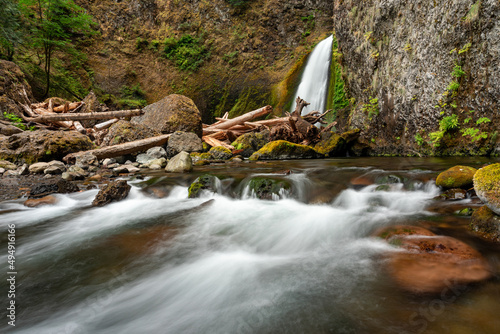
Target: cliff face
(246,50)
(424,61)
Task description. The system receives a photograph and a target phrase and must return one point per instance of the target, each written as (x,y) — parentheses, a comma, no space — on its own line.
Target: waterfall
(313,86)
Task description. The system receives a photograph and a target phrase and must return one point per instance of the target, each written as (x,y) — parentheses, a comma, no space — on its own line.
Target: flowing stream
(227,262)
(313,85)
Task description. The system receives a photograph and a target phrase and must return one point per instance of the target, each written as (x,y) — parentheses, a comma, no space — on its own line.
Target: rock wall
(404,53)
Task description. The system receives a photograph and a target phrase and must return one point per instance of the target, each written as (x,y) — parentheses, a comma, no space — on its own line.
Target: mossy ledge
(282,149)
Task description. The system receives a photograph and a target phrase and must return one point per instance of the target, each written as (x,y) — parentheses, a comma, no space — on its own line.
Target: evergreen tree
(9,29)
(54,25)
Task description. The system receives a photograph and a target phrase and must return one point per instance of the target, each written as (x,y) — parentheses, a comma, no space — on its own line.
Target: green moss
(220,153)
(282,149)
(265,188)
(204,182)
(335,145)
(456,177)
(487,185)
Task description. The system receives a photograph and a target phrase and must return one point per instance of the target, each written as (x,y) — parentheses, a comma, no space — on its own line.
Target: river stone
(125,131)
(180,163)
(144,158)
(183,141)
(267,188)
(54,170)
(281,149)
(172,113)
(486,224)
(205,182)
(35,202)
(157,152)
(43,145)
(125,169)
(84,161)
(2,170)
(113,192)
(455,194)
(220,153)
(456,177)
(429,263)
(251,142)
(38,168)
(53,186)
(7,165)
(487,186)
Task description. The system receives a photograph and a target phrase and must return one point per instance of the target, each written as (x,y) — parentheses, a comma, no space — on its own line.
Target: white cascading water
(313,86)
(235,265)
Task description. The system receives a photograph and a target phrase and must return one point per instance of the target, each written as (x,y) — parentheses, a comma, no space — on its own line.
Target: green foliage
(231,57)
(474,134)
(154,45)
(187,52)
(10,35)
(54,25)
(371,108)
(337,97)
(17,121)
(457,71)
(418,139)
(448,123)
(483,120)
(132,97)
(141,44)
(453,86)
(310,23)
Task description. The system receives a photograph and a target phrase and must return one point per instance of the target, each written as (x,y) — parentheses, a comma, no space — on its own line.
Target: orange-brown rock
(430,263)
(34,202)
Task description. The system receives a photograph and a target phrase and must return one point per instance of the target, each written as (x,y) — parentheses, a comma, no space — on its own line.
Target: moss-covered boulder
(428,263)
(205,182)
(200,159)
(456,177)
(486,224)
(281,150)
(125,131)
(42,145)
(220,153)
(251,142)
(487,186)
(172,113)
(267,188)
(331,145)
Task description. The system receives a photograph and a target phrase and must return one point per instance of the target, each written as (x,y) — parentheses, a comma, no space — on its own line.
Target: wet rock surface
(486,224)
(487,186)
(113,192)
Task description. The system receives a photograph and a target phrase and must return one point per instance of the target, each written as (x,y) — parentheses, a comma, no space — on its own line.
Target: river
(230,263)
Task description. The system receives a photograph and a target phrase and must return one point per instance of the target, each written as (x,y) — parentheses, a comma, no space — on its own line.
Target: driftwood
(105,125)
(121,149)
(224,125)
(86,116)
(215,142)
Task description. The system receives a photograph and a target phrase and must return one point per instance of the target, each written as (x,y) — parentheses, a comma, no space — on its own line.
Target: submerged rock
(487,186)
(456,177)
(281,149)
(35,202)
(205,182)
(453,195)
(430,263)
(486,224)
(267,188)
(113,192)
(53,186)
(180,163)
(172,113)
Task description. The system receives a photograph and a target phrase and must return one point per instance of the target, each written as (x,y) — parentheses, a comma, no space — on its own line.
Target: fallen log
(67,107)
(86,116)
(243,118)
(105,125)
(215,142)
(79,127)
(121,149)
(42,113)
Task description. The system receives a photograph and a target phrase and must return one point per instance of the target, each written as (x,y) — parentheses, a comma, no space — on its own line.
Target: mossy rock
(125,131)
(251,142)
(265,188)
(220,153)
(486,224)
(456,177)
(204,182)
(487,186)
(196,157)
(282,149)
(333,145)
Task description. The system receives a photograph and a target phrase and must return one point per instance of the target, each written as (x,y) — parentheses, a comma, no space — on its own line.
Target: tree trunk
(121,149)
(244,118)
(87,116)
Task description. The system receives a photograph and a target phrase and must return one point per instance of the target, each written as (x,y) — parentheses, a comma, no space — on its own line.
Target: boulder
(200,159)
(183,141)
(486,224)
(125,131)
(220,153)
(38,167)
(267,188)
(429,263)
(281,149)
(7,165)
(487,186)
(53,186)
(205,182)
(456,177)
(8,129)
(172,113)
(42,145)
(331,145)
(125,169)
(113,192)
(251,142)
(55,167)
(180,163)
(157,152)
